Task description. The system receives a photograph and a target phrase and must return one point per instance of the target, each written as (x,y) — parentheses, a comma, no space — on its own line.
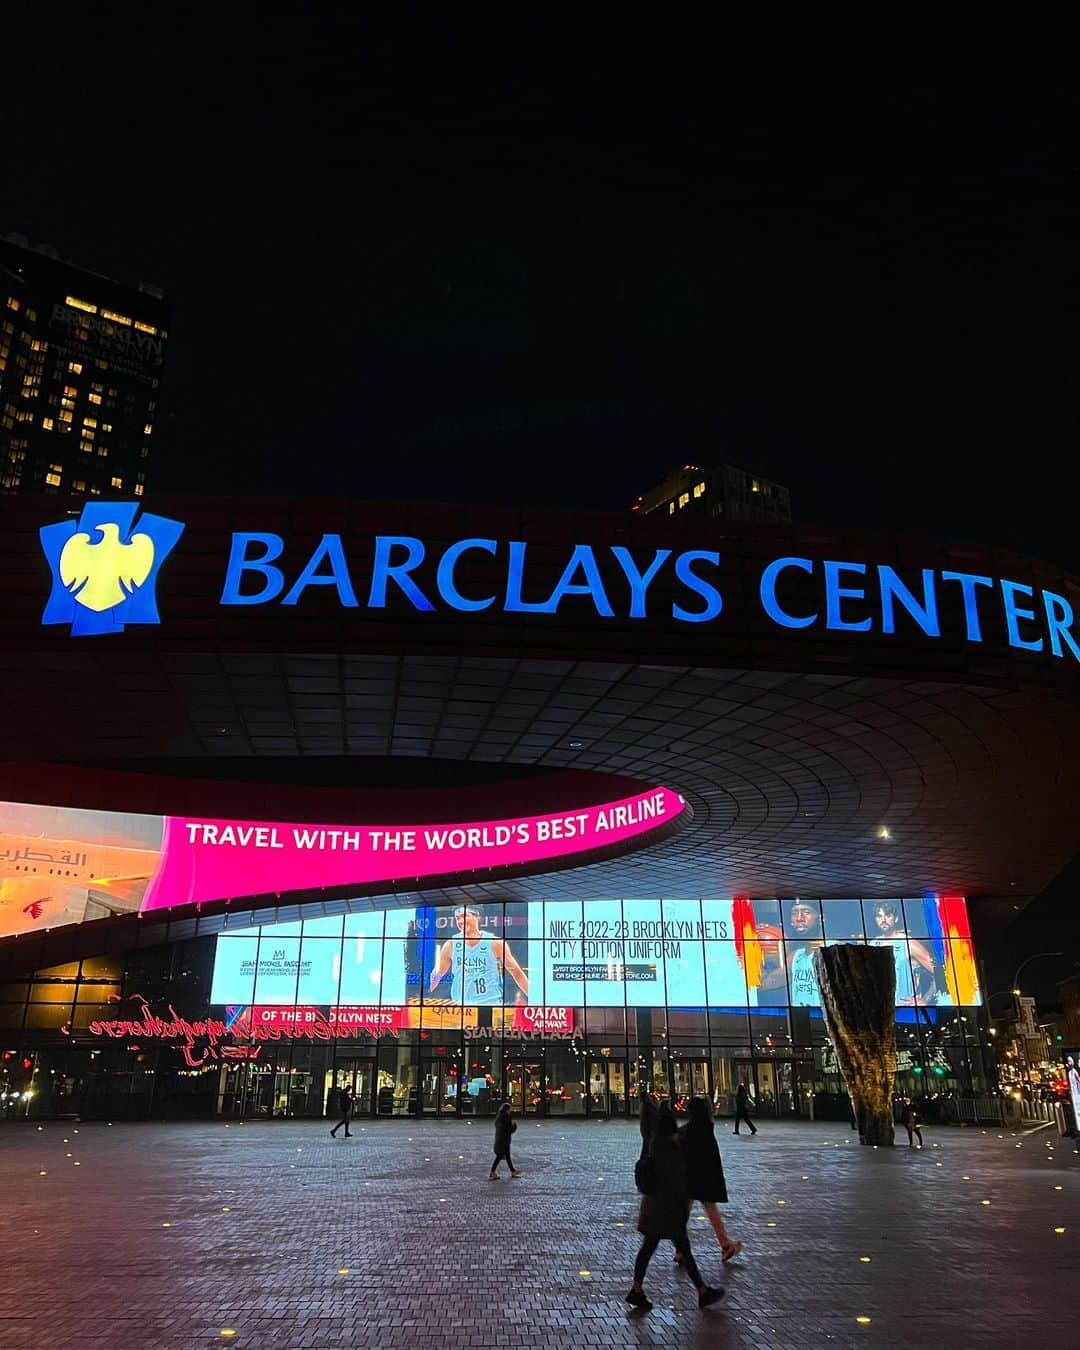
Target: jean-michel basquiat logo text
(104,572)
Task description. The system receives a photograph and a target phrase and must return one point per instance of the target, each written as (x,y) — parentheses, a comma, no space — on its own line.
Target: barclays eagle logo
(103,575)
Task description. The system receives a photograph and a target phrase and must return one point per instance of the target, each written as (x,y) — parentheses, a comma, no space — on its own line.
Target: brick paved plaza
(274,1235)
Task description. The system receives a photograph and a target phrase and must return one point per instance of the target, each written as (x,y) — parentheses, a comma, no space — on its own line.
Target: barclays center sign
(105,567)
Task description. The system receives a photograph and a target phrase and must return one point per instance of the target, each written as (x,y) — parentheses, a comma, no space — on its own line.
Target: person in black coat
(664,1211)
(647,1122)
(742,1103)
(345,1105)
(705,1171)
(504,1128)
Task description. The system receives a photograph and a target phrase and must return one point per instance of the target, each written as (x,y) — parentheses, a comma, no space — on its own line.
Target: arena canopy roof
(842,714)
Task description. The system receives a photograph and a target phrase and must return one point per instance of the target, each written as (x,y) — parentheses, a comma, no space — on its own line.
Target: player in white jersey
(477,962)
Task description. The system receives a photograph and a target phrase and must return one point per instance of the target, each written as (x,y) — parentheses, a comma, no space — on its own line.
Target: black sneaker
(709,1296)
(636,1298)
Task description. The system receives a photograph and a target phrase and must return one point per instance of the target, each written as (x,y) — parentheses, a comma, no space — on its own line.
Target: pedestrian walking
(742,1101)
(345,1105)
(664,1211)
(647,1119)
(504,1128)
(705,1172)
(912,1122)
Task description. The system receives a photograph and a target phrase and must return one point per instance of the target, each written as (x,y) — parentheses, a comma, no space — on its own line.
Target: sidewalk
(155,1236)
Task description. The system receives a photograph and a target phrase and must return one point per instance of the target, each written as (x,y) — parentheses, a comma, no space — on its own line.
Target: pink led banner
(203,859)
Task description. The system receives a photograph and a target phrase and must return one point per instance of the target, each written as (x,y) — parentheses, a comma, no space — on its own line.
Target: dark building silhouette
(81,360)
(721,491)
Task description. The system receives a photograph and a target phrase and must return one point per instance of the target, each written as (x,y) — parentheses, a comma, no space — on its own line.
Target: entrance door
(690,1078)
(607,1087)
(359,1074)
(438,1088)
(774,1084)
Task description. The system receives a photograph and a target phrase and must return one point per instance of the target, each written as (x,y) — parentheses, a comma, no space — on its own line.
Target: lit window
(53,479)
(80,304)
(75,367)
(103,450)
(38,346)
(96,398)
(68,403)
(671,508)
(12,303)
(116,318)
(138,489)
(89,421)
(755,486)
(95,492)
(144,452)
(47,423)
(146,327)
(148,428)
(65,416)
(117,482)
(699,490)
(78,485)
(31,314)
(105,426)
(87,434)
(684,497)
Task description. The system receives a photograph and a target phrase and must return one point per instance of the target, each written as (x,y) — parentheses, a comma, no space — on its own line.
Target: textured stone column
(858,997)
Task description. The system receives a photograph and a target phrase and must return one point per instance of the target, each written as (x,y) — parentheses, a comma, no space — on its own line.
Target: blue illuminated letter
(330,549)
(925,613)
(714,601)
(515,568)
(383,570)
(583,558)
(968,581)
(834,593)
(239,563)
(1009,591)
(1059,620)
(444,578)
(768,592)
(639,581)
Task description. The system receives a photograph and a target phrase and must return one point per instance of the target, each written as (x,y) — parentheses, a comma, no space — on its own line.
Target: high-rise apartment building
(81,359)
(723,491)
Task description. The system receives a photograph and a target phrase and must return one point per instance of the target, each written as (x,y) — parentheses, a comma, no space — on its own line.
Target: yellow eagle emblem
(103,574)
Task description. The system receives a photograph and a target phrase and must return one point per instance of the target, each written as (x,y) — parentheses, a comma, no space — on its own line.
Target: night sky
(460,261)
(464,259)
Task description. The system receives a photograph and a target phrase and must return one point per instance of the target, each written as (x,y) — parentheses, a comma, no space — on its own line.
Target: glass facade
(562,1008)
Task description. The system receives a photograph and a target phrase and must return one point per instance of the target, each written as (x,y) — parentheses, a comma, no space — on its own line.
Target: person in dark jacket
(912,1122)
(665,1210)
(504,1128)
(705,1171)
(647,1123)
(742,1101)
(345,1105)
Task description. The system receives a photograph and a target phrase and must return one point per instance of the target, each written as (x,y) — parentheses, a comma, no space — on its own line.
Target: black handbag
(645,1175)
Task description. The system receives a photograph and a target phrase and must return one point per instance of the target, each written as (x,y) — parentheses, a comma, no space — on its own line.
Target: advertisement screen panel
(61,865)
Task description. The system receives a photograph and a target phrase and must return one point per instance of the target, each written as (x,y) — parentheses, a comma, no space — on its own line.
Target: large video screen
(732,952)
